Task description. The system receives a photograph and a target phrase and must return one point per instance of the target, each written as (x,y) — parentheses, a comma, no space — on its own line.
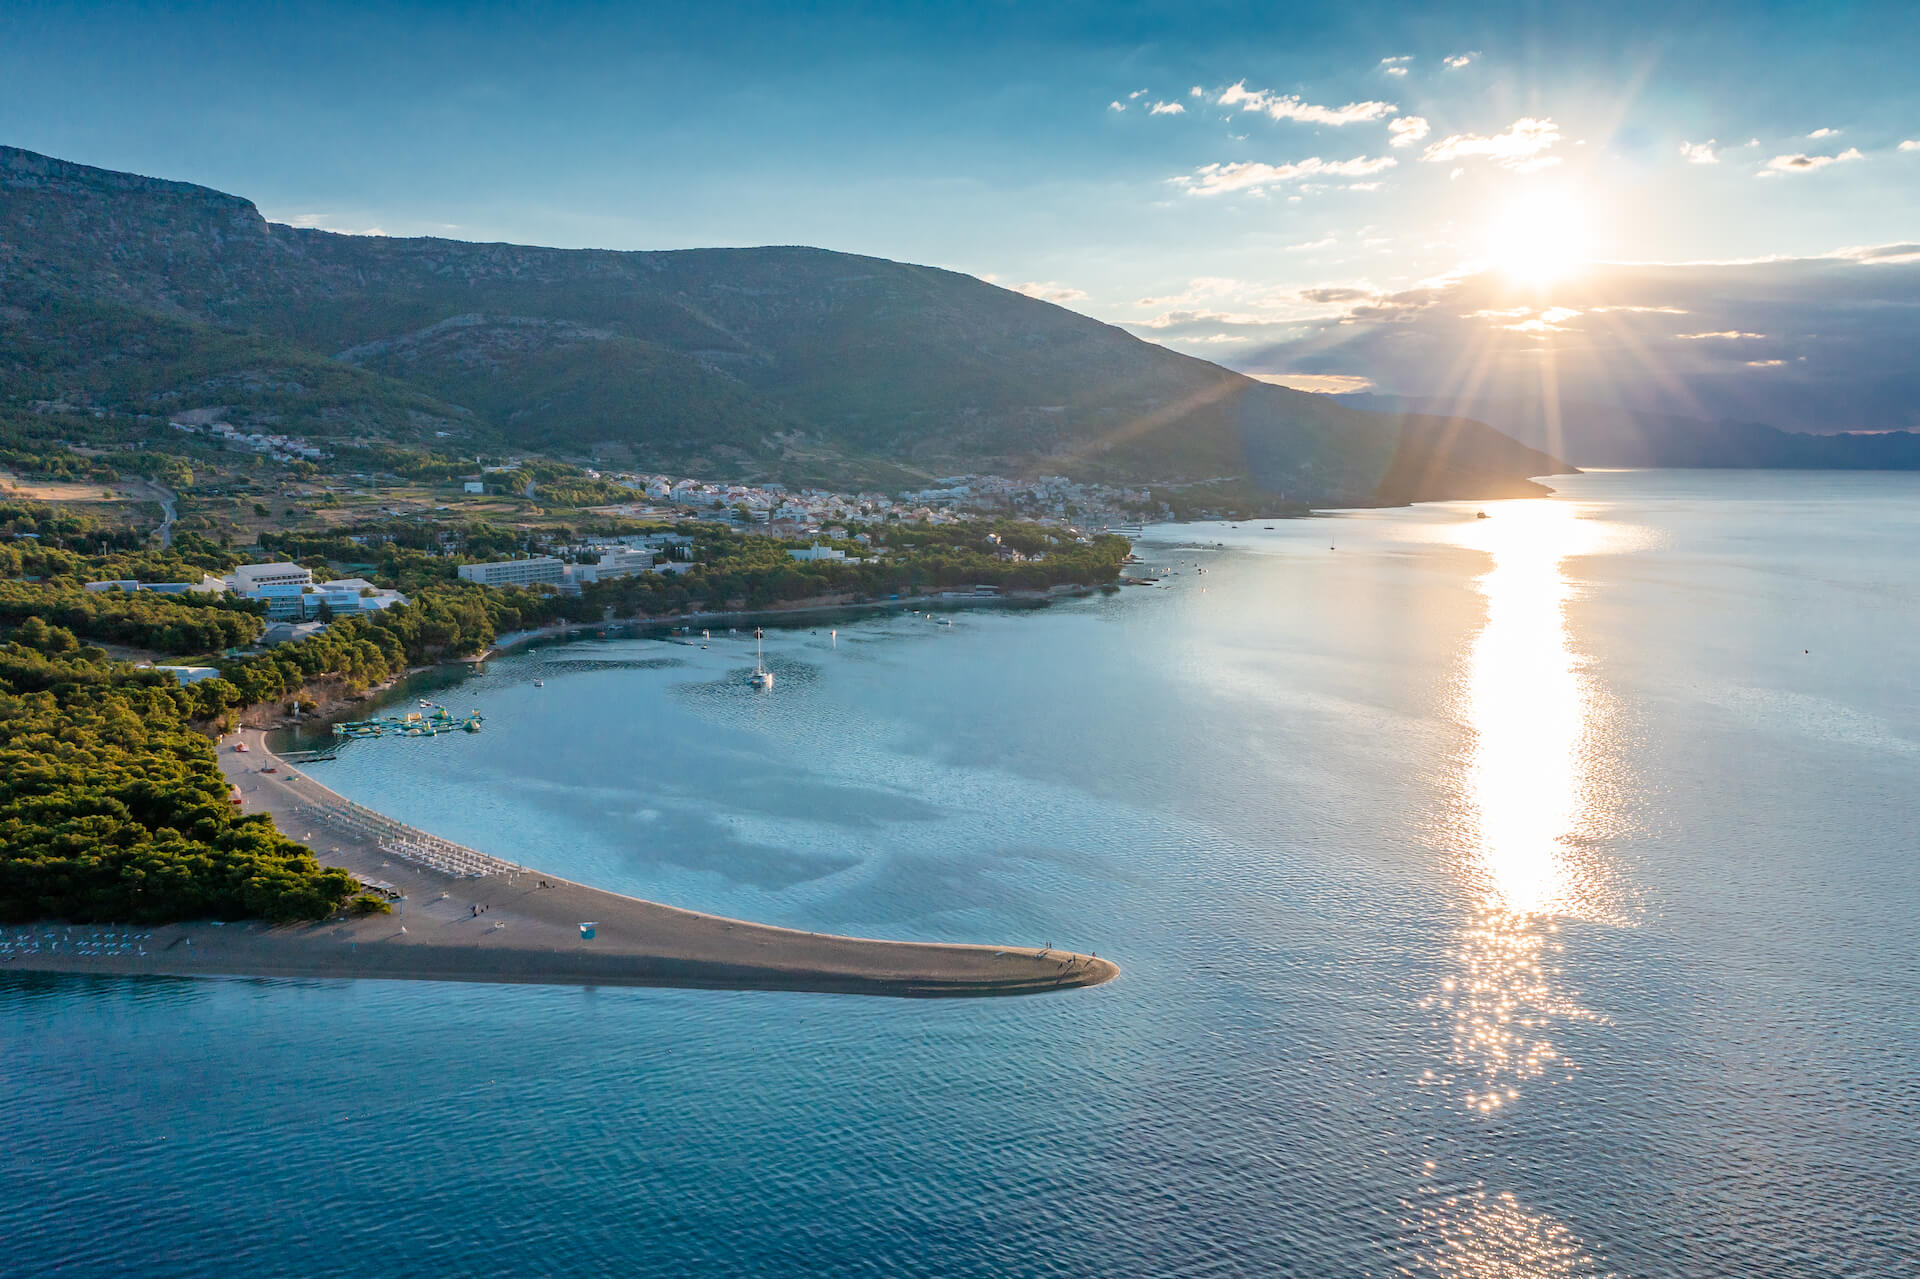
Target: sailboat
(761,677)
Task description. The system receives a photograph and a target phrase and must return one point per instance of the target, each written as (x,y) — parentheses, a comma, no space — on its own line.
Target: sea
(1527,895)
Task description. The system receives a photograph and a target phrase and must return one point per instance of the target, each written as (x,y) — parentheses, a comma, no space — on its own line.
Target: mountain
(1606,435)
(152,295)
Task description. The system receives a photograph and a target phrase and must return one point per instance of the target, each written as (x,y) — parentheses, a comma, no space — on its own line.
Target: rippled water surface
(1533,895)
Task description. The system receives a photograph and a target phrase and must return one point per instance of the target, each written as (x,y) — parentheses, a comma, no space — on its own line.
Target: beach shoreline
(514,640)
(509,924)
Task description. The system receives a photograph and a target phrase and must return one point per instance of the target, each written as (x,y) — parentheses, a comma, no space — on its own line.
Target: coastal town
(1048,499)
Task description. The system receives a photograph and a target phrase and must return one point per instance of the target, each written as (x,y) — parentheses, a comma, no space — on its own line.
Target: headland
(486,920)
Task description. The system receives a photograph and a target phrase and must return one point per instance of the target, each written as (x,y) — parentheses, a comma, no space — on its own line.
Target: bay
(1533,894)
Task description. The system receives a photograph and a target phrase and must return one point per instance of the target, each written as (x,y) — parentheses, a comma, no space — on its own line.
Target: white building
(249,578)
(207,583)
(190,674)
(818,552)
(615,563)
(347,595)
(473,486)
(540,569)
(280,585)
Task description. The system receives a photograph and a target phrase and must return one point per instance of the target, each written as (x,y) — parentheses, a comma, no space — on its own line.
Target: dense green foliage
(175,624)
(112,808)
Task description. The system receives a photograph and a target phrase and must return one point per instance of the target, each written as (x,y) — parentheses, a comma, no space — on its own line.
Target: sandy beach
(512,924)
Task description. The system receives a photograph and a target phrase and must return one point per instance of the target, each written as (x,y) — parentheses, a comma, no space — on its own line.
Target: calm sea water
(1529,895)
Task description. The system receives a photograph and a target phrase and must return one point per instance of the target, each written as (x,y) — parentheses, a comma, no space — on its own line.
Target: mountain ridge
(751,362)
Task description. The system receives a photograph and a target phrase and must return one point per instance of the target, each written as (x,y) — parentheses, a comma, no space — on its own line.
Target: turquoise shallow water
(1530,895)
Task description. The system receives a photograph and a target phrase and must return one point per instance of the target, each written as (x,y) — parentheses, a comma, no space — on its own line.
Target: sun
(1540,237)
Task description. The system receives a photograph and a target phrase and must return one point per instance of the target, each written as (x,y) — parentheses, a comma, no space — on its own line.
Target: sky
(1322,195)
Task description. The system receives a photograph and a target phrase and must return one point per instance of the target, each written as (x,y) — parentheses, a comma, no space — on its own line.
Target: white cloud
(1723,335)
(1363,186)
(1326,242)
(1206,286)
(1166,108)
(1804,163)
(1408,129)
(1537,324)
(1319,383)
(1766,364)
(1459,60)
(1218,179)
(324,222)
(1116,106)
(1911,144)
(1396,66)
(1196,92)
(1824,133)
(1518,147)
(1049,291)
(1137,93)
(1700,152)
(1174,319)
(1337,294)
(1291,107)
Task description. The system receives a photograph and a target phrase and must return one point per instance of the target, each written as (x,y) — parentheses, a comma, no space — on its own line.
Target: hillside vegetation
(143,295)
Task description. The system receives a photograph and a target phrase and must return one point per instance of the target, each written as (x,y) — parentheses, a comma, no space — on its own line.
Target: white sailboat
(761,677)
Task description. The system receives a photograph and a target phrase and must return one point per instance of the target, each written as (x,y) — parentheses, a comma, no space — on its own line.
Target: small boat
(1482,516)
(761,677)
(425,702)
(539,683)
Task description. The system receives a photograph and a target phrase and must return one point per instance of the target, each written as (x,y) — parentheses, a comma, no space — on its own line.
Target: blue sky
(1335,153)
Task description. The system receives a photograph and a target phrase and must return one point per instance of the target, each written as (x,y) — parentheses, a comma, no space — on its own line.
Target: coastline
(511,924)
(559,630)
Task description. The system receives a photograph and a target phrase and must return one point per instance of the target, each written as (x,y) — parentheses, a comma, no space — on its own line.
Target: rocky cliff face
(737,357)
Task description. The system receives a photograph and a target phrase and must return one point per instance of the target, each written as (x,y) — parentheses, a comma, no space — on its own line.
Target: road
(154,491)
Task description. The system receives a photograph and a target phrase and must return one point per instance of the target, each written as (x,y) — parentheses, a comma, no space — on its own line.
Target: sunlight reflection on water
(1534,795)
